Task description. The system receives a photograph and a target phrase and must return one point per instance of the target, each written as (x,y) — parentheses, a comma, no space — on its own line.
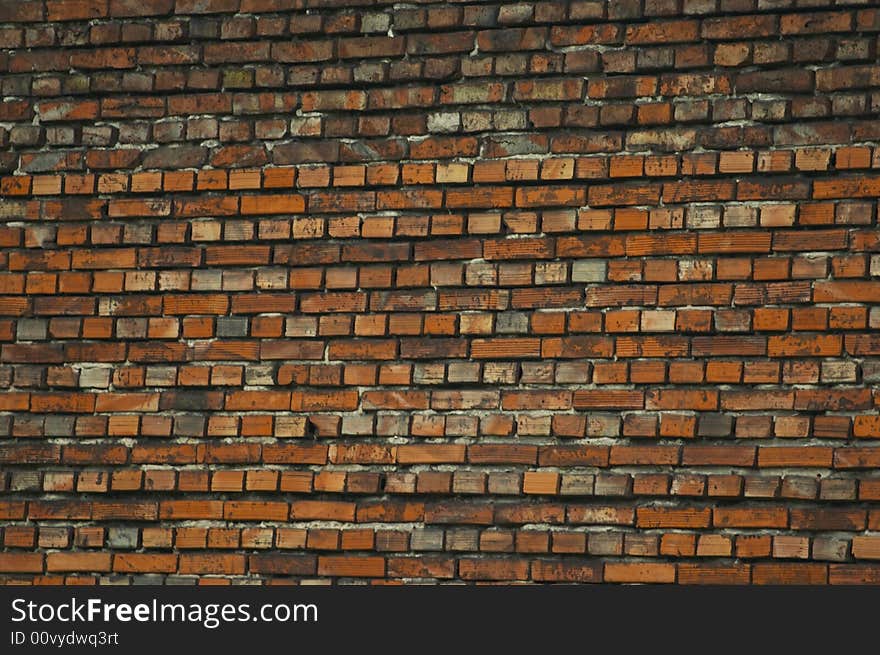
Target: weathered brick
(447,239)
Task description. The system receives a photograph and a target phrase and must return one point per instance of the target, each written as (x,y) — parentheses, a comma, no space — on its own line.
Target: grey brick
(378,22)
(31,329)
(180,581)
(115,580)
(25,481)
(447,121)
(122,537)
(588,270)
(871,370)
(714,425)
(605,543)
(188,425)
(59,426)
(259,374)
(577,484)
(512,323)
(462,539)
(95,376)
(232,326)
(463,372)
(426,539)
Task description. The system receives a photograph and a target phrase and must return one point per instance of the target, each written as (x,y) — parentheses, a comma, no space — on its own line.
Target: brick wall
(583,291)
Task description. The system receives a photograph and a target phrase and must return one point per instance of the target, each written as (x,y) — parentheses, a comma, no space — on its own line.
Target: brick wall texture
(360,291)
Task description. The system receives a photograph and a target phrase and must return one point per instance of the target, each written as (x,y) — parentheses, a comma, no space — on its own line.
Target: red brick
(647,572)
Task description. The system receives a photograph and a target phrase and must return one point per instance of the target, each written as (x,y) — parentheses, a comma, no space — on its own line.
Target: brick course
(577,291)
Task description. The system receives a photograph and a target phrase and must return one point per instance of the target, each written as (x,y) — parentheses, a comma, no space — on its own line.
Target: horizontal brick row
(502,169)
(188,568)
(65,172)
(680,544)
(467,512)
(607,543)
(34,11)
(85,402)
(672,425)
(549,481)
(797,456)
